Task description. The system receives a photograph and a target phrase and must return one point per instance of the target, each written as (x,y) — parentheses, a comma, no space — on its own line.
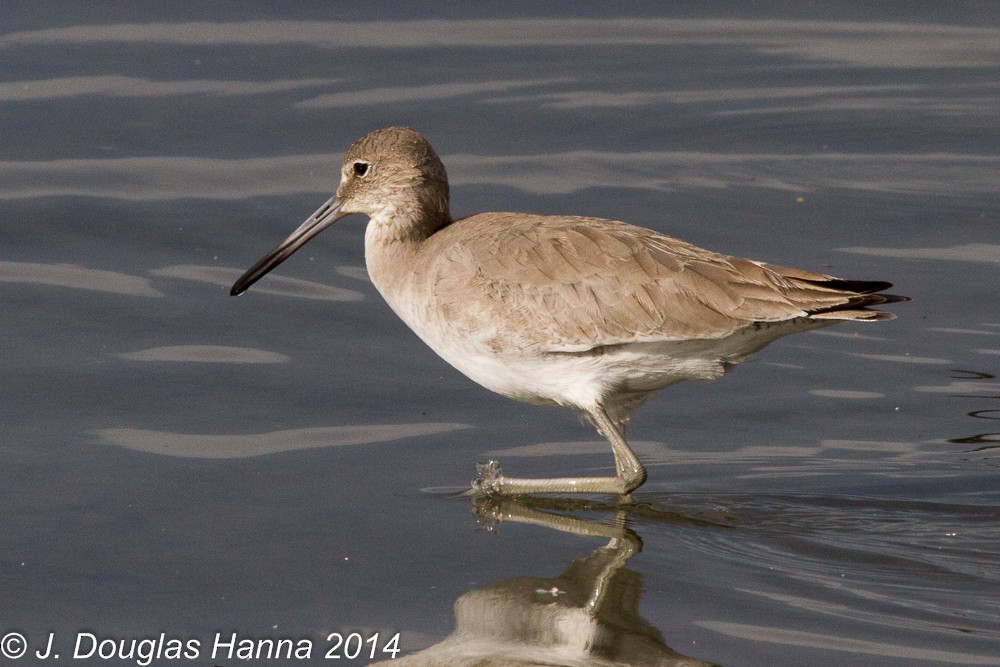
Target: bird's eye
(360,169)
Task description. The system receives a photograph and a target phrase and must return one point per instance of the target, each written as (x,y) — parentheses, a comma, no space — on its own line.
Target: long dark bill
(326,215)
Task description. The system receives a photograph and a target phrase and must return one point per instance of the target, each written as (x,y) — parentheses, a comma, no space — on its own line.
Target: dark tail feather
(861,295)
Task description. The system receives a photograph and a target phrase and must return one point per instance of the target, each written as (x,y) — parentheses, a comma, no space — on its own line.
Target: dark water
(176,461)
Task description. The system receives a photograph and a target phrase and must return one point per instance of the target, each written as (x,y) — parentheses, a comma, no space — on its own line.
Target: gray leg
(628,466)
(631,474)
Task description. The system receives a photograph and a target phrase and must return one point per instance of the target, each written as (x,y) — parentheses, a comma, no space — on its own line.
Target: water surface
(177,461)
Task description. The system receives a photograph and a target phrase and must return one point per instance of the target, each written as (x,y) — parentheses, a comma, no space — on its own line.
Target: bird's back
(535,283)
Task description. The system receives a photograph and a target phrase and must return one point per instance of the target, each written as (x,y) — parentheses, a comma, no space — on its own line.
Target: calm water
(173,460)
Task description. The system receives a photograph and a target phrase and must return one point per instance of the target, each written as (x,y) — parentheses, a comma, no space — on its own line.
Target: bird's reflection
(587,616)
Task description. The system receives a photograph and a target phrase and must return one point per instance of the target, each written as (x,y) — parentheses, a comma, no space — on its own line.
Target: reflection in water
(573,171)
(587,616)
(436,92)
(154,178)
(900,358)
(986,441)
(975,385)
(907,579)
(970,252)
(258,444)
(127,86)
(955,330)
(206,354)
(960,387)
(785,100)
(864,44)
(283,285)
(596,98)
(813,640)
(845,393)
(76,277)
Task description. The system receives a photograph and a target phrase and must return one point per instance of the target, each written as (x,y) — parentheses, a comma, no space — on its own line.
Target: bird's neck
(407,222)
(392,242)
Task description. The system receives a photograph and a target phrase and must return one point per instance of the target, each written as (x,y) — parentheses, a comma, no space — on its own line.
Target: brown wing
(569,283)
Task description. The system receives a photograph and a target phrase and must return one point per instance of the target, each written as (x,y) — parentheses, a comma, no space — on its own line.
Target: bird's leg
(630,473)
(627,464)
(629,468)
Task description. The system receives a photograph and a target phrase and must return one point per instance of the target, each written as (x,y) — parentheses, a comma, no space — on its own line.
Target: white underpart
(580,380)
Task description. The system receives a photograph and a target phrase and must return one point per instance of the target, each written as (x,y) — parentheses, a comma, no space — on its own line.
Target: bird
(587,313)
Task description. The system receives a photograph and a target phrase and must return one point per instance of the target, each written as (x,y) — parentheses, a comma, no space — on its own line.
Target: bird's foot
(491,483)
(488,477)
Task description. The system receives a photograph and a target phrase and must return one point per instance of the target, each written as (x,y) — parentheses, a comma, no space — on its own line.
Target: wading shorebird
(591,314)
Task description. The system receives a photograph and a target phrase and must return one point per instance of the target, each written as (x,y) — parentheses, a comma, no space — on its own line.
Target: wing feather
(555,283)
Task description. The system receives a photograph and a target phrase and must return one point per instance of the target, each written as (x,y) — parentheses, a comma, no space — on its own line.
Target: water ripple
(913,564)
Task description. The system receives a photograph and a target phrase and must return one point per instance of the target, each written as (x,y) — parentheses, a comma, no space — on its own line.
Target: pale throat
(389,239)
(397,221)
